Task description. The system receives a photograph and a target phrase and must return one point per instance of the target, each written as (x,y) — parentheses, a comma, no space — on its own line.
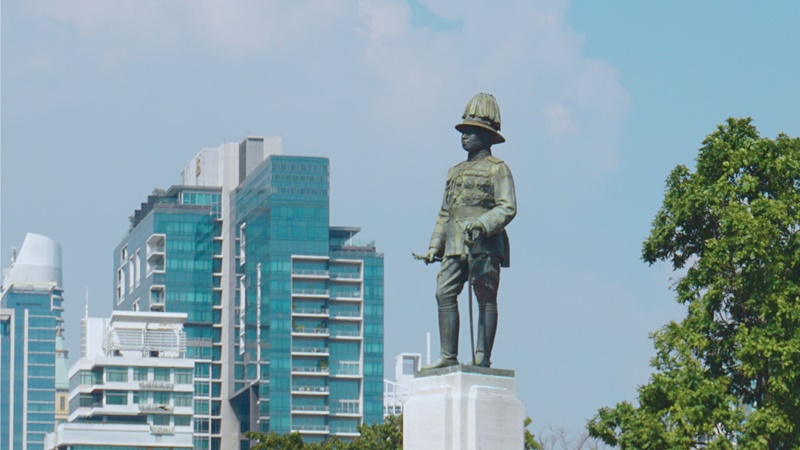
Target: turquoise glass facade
(310,306)
(285,306)
(171,261)
(29,317)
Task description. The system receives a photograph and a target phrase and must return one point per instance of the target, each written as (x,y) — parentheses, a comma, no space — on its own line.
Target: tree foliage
(728,375)
(378,436)
(530,440)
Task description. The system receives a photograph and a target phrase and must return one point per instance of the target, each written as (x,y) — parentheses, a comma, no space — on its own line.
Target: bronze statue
(469,237)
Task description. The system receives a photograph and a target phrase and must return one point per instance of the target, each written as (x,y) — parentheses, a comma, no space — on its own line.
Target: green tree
(275,441)
(728,374)
(380,436)
(530,440)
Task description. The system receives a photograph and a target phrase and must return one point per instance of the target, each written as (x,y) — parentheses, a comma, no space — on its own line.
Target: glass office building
(30,315)
(285,312)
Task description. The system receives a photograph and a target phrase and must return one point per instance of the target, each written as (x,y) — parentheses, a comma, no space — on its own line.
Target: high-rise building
(132,387)
(30,318)
(285,312)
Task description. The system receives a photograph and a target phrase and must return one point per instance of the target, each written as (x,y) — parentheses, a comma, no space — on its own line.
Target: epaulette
(494,159)
(457,166)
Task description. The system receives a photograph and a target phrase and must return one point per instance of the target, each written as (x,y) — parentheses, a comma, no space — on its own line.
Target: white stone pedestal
(463,408)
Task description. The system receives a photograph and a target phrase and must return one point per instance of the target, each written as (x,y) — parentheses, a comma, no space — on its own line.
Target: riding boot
(487,327)
(448,340)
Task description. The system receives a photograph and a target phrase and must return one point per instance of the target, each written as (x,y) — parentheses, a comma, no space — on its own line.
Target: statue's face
(474,139)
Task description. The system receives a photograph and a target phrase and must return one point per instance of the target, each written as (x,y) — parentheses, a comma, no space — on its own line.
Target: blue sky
(104,101)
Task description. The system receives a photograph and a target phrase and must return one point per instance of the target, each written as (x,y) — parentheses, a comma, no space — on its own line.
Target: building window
(161,398)
(242,243)
(160,374)
(183,376)
(183,399)
(116,397)
(62,403)
(131,275)
(183,421)
(95,376)
(409,365)
(140,374)
(138,267)
(121,284)
(117,374)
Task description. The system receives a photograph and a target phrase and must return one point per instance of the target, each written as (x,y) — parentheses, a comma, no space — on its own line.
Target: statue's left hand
(473,225)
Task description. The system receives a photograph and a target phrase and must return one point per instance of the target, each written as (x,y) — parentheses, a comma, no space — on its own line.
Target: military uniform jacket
(482,189)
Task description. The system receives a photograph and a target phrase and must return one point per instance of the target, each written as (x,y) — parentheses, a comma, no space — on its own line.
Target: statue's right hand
(431,255)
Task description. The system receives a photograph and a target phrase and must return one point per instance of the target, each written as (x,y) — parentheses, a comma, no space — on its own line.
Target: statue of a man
(479,202)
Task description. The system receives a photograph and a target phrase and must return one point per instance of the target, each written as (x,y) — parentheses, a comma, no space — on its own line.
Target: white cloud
(559,121)
(523,51)
(239,28)
(384,20)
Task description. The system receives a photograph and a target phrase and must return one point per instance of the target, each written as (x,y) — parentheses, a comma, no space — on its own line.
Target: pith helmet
(482,112)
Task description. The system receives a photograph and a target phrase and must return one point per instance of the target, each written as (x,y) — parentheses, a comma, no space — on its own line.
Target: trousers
(450,283)
(453,275)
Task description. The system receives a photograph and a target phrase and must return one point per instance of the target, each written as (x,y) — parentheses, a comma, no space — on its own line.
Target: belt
(468,212)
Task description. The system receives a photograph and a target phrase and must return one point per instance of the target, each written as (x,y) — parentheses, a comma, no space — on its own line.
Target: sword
(469,240)
(424,258)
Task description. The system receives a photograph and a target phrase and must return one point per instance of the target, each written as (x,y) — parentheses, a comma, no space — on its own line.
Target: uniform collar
(480,154)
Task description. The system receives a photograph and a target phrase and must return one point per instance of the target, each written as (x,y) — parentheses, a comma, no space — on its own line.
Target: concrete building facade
(133,387)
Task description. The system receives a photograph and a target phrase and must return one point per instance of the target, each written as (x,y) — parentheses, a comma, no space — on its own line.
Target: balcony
(156,245)
(310,429)
(350,369)
(155,266)
(162,429)
(345,315)
(324,371)
(310,312)
(350,408)
(157,298)
(155,253)
(310,351)
(343,294)
(299,330)
(155,408)
(346,334)
(345,276)
(313,293)
(151,385)
(308,273)
(345,431)
(309,409)
(310,390)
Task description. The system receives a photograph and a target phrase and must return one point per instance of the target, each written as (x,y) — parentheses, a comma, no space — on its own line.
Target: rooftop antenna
(13,255)
(86,305)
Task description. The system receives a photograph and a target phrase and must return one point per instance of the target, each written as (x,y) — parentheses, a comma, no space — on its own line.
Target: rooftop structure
(132,387)
(397,392)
